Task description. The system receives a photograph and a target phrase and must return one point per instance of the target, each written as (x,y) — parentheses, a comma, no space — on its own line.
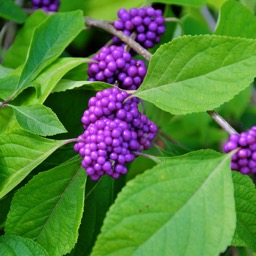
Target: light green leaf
(66,84)
(198,73)
(38,119)
(4,71)
(46,82)
(49,208)
(193,3)
(10,11)
(245,201)
(229,25)
(183,206)
(59,29)
(16,54)
(20,153)
(20,246)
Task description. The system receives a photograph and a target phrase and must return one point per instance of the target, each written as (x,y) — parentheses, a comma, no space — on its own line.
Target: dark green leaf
(38,119)
(20,153)
(10,11)
(49,208)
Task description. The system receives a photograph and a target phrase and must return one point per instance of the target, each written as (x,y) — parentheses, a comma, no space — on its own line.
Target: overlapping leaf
(198,73)
(20,153)
(49,208)
(183,206)
(9,10)
(20,246)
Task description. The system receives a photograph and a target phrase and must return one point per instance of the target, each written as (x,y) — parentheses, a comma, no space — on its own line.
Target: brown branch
(90,22)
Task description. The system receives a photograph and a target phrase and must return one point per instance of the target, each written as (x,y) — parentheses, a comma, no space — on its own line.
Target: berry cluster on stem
(46,5)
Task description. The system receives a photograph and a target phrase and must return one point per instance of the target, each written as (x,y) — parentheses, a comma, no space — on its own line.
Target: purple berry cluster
(46,5)
(146,23)
(114,65)
(244,160)
(114,132)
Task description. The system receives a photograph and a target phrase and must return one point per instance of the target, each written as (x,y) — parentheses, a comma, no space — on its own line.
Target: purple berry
(46,5)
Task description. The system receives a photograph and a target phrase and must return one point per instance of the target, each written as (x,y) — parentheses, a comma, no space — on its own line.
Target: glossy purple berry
(116,66)
(147,23)
(114,132)
(46,5)
(244,160)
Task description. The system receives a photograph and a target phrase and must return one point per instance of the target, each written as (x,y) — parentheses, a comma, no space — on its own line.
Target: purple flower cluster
(114,65)
(146,23)
(114,132)
(244,160)
(46,5)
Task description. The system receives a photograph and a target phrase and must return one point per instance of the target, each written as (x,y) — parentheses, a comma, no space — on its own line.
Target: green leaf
(49,208)
(198,73)
(66,84)
(99,197)
(229,25)
(4,71)
(20,246)
(16,54)
(20,153)
(46,82)
(59,29)
(193,3)
(183,206)
(38,119)
(245,201)
(10,11)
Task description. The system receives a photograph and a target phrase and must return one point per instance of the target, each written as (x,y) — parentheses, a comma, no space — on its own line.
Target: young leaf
(59,29)
(20,153)
(16,54)
(192,3)
(66,84)
(198,73)
(229,25)
(183,206)
(245,201)
(17,245)
(46,82)
(38,119)
(49,208)
(10,11)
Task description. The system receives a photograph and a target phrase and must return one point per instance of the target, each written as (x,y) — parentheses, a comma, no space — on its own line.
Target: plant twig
(90,22)
(208,17)
(222,122)
(147,156)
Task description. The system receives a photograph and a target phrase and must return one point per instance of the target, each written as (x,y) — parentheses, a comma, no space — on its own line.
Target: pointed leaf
(229,25)
(183,206)
(245,200)
(60,30)
(16,54)
(10,11)
(198,73)
(20,246)
(20,153)
(38,119)
(49,208)
(46,82)
(66,84)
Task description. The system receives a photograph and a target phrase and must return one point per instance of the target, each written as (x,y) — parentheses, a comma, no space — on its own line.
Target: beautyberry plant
(117,143)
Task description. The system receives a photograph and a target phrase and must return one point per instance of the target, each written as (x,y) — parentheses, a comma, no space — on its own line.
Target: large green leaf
(38,119)
(49,208)
(10,11)
(16,54)
(20,246)
(183,206)
(245,200)
(198,73)
(193,3)
(46,82)
(230,25)
(59,29)
(20,153)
